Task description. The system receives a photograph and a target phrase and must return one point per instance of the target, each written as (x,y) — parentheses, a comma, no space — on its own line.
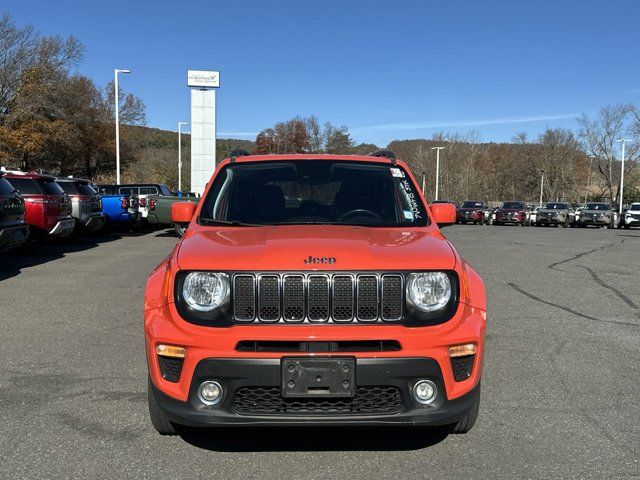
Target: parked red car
(48,208)
(470,211)
(511,212)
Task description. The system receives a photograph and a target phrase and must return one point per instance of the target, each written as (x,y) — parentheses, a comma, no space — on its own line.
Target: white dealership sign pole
(203,86)
(623,141)
(437,149)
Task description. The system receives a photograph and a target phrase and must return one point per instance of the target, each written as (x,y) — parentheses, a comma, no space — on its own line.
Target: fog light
(425,391)
(210,392)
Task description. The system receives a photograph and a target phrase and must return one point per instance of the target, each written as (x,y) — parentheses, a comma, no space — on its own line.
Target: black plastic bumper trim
(236,373)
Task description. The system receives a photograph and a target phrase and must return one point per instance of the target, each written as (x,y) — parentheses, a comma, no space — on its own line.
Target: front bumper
(549,220)
(63,228)
(233,374)
(13,236)
(594,221)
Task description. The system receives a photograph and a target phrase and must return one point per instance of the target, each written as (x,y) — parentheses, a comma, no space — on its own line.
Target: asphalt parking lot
(560,388)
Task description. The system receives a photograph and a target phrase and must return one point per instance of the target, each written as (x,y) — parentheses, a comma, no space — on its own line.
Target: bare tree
(599,136)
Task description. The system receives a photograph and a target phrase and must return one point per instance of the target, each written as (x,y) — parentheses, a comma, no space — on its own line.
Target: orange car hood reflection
(287,248)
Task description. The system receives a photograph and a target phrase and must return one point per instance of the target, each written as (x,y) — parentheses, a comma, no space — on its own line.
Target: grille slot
(317,297)
(269,401)
(268,298)
(293,298)
(391,297)
(244,298)
(367,298)
(342,298)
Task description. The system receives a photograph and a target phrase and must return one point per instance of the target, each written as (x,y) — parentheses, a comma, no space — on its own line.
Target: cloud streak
(236,134)
(463,123)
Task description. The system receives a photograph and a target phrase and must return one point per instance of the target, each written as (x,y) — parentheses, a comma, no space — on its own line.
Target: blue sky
(386,69)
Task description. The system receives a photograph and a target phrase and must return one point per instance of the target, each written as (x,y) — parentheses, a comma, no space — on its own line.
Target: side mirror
(182,212)
(443,213)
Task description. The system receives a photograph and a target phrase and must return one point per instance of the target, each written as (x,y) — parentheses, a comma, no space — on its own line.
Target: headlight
(205,291)
(429,291)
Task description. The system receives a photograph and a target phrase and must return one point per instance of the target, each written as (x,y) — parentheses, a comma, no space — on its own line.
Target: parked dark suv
(86,206)
(13,229)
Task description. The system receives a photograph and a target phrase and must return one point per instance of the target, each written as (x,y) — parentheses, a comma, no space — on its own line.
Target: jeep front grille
(317,297)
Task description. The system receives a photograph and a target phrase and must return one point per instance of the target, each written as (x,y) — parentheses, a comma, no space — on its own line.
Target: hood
(607,212)
(552,210)
(330,248)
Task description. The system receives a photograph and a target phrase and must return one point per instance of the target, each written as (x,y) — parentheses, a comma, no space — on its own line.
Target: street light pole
(180,154)
(623,141)
(437,149)
(541,186)
(117,104)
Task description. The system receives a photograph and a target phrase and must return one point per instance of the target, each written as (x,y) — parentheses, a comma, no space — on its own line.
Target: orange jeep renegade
(314,289)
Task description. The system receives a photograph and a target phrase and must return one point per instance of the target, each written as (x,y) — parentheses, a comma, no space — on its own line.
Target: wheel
(158,419)
(565,224)
(180,229)
(468,421)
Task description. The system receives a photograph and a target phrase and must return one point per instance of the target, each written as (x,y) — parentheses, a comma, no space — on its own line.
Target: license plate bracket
(312,377)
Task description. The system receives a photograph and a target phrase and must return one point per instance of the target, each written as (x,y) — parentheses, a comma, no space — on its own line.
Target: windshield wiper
(235,223)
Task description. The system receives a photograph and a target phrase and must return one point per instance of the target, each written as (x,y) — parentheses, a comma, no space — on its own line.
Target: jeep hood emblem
(317,260)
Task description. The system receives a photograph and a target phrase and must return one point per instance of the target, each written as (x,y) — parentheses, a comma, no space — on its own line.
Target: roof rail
(385,154)
(238,153)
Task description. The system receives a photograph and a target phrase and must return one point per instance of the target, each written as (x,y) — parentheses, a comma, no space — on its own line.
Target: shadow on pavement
(318,439)
(12,263)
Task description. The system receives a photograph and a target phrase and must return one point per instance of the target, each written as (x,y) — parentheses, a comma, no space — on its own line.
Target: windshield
(25,186)
(596,206)
(68,187)
(556,206)
(513,206)
(51,188)
(472,205)
(634,206)
(314,192)
(5,187)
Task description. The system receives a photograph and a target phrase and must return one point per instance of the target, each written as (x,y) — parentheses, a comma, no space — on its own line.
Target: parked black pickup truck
(13,229)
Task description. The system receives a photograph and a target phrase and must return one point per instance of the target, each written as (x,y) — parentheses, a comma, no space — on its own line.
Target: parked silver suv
(598,214)
(554,214)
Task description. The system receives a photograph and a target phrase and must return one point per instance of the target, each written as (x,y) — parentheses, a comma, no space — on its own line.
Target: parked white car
(631,218)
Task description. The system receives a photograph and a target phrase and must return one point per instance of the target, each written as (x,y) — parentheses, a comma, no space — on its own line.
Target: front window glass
(513,206)
(314,192)
(556,206)
(471,205)
(635,206)
(597,206)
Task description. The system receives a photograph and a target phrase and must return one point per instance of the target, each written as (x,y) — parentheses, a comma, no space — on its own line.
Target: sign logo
(203,78)
(319,260)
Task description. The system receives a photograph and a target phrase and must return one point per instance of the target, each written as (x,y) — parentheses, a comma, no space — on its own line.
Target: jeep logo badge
(318,260)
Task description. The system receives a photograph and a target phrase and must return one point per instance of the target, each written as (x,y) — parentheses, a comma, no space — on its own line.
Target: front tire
(158,419)
(467,422)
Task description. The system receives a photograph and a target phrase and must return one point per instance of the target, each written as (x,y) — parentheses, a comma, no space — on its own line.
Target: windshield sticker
(408,214)
(396,172)
(411,198)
